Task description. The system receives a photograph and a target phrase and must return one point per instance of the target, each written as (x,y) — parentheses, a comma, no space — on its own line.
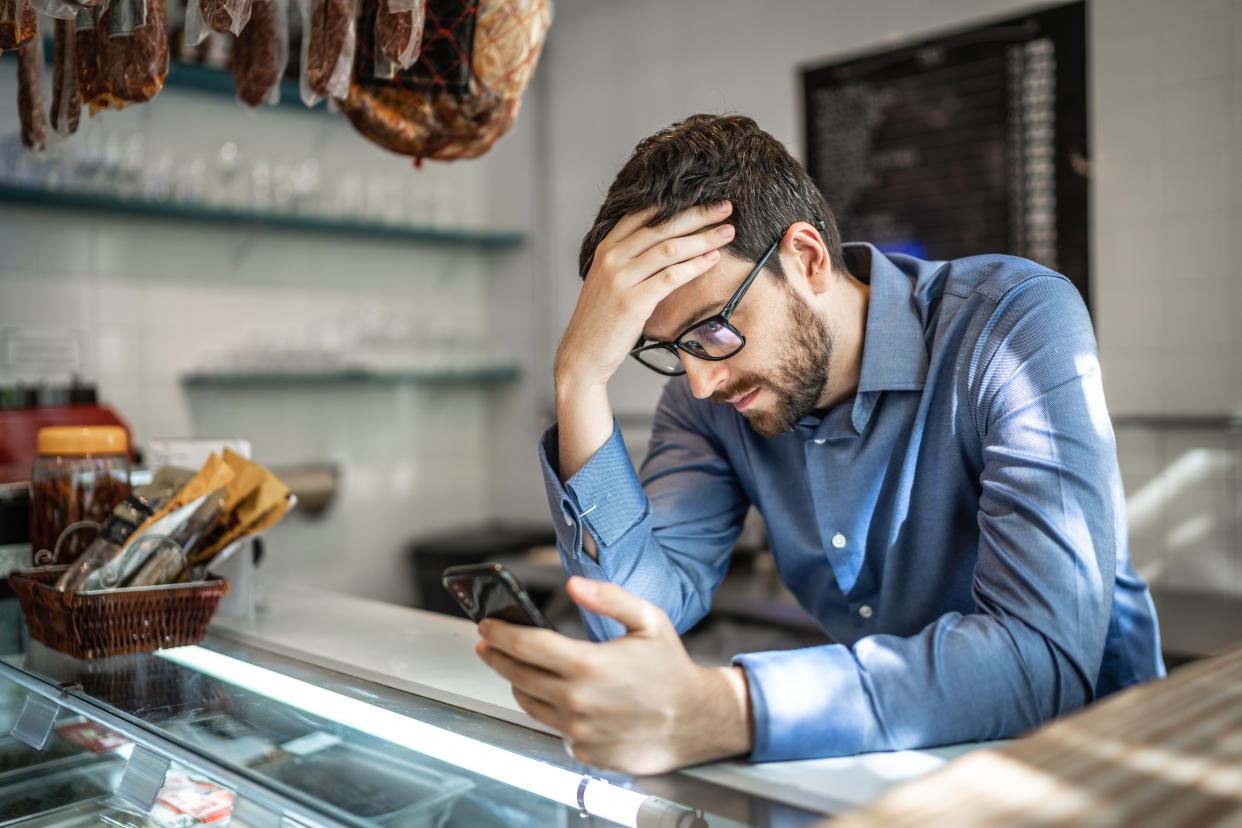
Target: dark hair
(709,158)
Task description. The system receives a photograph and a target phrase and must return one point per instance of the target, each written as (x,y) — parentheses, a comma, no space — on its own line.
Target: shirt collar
(894,347)
(895,350)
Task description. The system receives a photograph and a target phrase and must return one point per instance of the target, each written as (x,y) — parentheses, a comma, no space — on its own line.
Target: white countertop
(432,655)
(426,653)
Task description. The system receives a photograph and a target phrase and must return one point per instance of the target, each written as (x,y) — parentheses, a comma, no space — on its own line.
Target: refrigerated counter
(324,710)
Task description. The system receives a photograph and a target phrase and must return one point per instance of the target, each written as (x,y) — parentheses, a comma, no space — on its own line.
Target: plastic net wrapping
(464,90)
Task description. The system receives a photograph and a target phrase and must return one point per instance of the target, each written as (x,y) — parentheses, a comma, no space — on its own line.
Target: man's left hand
(636,704)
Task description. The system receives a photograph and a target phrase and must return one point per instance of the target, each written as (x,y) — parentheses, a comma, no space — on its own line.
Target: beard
(798,380)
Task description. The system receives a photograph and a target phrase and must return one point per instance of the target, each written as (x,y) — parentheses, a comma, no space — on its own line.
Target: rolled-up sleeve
(604,497)
(665,537)
(1050,516)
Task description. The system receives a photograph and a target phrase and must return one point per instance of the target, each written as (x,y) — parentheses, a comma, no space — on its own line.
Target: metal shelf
(113,205)
(484,375)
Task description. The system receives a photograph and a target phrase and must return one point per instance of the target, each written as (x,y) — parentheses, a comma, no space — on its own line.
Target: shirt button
(820,441)
(865,611)
(838,541)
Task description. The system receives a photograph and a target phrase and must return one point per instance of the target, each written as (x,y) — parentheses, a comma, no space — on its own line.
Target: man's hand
(636,704)
(635,267)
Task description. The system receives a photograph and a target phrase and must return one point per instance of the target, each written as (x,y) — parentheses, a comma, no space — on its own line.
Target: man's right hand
(634,268)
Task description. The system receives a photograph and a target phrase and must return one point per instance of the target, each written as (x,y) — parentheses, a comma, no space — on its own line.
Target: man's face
(781,374)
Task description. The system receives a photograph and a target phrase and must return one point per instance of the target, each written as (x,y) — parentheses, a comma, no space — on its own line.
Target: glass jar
(80,474)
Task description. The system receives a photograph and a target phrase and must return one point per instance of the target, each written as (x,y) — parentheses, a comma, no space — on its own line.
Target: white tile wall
(1176,205)
(1133,379)
(1179,202)
(1183,491)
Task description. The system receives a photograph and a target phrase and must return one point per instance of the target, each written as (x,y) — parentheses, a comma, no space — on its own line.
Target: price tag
(254,815)
(143,778)
(34,723)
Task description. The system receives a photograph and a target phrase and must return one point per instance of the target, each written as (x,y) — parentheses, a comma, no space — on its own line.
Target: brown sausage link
(66,105)
(29,96)
(329,29)
(258,61)
(134,65)
(400,33)
(18,23)
(89,40)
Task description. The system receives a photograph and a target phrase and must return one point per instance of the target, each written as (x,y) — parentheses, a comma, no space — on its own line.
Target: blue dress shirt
(957,526)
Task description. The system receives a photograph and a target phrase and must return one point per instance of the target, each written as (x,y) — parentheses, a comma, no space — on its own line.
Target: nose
(705,375)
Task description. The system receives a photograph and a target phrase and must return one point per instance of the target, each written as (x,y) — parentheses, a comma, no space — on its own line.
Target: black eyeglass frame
(722,317)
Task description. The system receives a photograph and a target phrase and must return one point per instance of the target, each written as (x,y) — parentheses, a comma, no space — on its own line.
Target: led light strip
(596,796)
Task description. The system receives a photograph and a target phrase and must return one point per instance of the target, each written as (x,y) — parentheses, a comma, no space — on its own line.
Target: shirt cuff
(807,703)
(604,496)
(608,477)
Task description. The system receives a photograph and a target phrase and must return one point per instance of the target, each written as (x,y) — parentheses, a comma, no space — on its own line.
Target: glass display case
(227,731)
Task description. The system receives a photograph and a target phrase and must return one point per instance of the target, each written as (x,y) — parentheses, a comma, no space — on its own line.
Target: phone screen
(490,591)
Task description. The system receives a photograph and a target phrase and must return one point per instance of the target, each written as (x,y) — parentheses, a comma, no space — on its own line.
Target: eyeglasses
(712,339)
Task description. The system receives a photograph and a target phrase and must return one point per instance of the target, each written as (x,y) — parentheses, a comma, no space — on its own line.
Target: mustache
(739,386)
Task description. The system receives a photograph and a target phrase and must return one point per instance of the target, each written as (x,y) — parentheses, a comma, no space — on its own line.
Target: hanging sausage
(134,53)
(440,79)
(260,53)
(66,103)
(327,48)
(29,94)
(399,30)
(18,23)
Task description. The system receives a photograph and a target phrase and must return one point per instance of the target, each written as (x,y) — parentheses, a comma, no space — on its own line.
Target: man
(928,445)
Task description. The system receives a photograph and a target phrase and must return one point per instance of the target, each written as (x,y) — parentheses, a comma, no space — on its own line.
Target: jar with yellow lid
(80,474)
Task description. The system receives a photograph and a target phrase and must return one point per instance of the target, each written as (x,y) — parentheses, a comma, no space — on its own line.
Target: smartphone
(488,590)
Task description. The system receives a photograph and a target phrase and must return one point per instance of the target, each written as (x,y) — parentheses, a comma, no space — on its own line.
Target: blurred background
(385,334)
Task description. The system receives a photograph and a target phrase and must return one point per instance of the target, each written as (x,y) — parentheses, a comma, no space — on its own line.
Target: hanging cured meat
(399,30)
(29,97)
(87,53)
(66,104)
(465,90)
(327,48)
(18,23)
(134,59)
(259,54)
(439,79)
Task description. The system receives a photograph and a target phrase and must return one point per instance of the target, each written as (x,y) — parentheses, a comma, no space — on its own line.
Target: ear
(804,251)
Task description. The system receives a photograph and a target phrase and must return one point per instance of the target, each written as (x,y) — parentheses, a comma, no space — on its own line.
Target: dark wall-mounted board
(971,142)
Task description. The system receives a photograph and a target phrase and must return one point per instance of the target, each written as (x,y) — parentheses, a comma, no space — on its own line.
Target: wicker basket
(108,622)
